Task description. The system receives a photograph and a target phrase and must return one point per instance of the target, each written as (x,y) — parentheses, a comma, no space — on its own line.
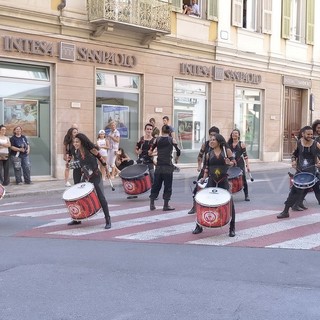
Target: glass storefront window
(248,119)
(25,102)
(190,114)
(118,99)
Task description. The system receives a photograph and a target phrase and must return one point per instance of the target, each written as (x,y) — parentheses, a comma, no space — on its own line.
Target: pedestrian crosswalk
(132,221)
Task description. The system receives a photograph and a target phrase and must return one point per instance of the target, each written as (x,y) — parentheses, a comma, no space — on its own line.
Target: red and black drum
(136,179)
(213,207)
(82,201)
(235,179)
(303,180)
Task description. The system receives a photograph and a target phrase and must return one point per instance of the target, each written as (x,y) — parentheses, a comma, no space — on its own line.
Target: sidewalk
(57,186)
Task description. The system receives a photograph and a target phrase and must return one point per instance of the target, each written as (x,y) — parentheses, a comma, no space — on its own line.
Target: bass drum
(235,179)
(82,201)
(213,207)
(135,179)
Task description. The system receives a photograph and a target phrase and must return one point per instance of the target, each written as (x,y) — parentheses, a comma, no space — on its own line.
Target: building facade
(247,64)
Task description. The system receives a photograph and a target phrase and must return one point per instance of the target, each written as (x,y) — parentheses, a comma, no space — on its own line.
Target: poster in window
(119,114)
(21,112)
(185,129)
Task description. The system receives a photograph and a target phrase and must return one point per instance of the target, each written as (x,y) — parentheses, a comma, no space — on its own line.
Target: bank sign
(67,51)
(219,73)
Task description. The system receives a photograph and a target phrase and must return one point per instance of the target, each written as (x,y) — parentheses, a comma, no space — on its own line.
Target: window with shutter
(177,5)
(212,10)
(237,13)
(310,22)
(267,16)
(286,19)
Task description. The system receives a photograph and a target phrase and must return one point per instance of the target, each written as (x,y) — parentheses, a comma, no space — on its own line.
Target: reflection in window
(190,114)
(15,70)
(111,80)
(248,119)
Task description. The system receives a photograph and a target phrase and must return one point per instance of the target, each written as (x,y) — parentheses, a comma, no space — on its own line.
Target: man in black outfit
(164,169)
(305,159)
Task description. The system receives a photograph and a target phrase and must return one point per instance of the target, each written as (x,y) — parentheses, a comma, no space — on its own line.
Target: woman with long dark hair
(239,151)
(216,165)
(87,153)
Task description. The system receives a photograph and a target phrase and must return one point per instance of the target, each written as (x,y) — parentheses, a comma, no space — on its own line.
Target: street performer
(239,151)
(142,148)
(164,168)
(304,159)
(205,148)
(87,154)
(217,163)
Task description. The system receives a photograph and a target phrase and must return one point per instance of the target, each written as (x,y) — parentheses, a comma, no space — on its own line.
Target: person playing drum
(87,153)
(216,165)
(239,151)
(164,168)
(142,148)
(304,159)
(205,148)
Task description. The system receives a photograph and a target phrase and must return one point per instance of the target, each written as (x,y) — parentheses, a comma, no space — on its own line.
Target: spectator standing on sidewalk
(19,155)
(4,156)
(114,140)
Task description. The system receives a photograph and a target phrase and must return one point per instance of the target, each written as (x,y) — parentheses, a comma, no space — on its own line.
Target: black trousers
(98,185)
(162,175)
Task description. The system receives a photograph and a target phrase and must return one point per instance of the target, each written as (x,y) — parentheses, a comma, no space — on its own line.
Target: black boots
(74,223)
(166,206)
(246,197)
(198,229)
(152,206)
(283,214)
(232,232)
(108,223)
(193,209)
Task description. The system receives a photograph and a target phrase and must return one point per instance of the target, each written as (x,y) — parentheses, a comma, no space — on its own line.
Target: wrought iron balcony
(153,15)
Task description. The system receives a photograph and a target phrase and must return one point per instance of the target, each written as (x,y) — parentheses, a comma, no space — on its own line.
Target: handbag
(4,156)
(16,162)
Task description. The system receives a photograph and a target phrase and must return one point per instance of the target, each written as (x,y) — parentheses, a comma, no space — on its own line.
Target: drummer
(87,153)
(164,168)
(239,151)
(142,148)
(205,148)
(304,159)
(217,162)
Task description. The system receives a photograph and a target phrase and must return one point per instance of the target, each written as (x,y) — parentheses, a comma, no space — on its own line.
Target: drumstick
(225,152)
(111,184)
(250,175)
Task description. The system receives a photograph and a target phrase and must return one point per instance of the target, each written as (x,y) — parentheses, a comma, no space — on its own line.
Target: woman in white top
(4,156)
(103,144)
(114,140)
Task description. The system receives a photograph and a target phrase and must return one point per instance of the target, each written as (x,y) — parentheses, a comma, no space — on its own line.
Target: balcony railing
(148,14)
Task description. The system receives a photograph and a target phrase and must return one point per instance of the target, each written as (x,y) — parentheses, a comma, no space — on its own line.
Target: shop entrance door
(292,119)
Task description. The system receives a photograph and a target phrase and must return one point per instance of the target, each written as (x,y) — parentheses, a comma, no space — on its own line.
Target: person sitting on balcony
(192,10)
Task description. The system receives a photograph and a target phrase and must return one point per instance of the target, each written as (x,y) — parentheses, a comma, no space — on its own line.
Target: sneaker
(74,222)
(68,184)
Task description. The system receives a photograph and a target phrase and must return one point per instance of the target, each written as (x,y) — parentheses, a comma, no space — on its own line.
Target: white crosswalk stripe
(123,224)
(182,228)
(260,227)
(260,231)
(307,242)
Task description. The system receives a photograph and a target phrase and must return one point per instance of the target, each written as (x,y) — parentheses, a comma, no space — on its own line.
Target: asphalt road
(54,277)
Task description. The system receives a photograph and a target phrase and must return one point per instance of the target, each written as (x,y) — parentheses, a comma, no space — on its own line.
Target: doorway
(292,120)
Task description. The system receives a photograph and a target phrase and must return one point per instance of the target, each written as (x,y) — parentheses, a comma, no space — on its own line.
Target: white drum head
(212,197)
(78,191)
